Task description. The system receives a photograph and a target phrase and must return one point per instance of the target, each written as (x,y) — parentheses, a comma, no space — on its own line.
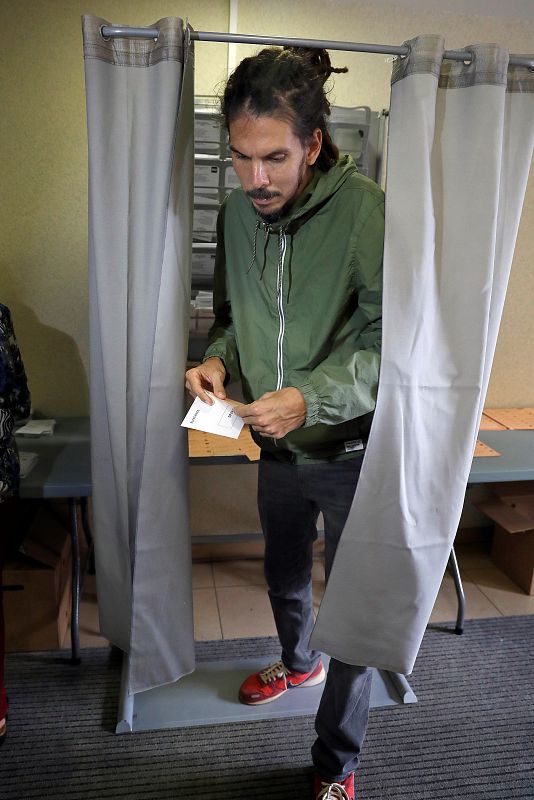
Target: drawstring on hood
(267,232)
(254,244)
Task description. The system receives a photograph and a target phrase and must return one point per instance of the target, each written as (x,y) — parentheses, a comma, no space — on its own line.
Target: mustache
(262,194)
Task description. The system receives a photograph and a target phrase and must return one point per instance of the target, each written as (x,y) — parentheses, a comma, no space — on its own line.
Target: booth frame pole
(110,31)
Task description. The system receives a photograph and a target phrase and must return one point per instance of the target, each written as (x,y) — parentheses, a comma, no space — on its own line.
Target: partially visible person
(14,405)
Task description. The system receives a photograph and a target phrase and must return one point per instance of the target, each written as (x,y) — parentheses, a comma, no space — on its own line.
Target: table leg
(75,613)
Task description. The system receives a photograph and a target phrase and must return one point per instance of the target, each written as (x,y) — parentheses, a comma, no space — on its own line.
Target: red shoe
(339,790)
(274,681)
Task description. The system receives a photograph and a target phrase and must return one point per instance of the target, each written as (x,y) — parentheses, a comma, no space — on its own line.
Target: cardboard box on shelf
(512,510)
(37,604)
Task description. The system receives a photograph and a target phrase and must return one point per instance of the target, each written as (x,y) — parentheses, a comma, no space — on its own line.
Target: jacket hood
(321,187)
(318,191)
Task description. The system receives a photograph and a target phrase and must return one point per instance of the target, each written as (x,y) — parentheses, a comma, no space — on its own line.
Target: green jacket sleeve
(344,385)
(221,338)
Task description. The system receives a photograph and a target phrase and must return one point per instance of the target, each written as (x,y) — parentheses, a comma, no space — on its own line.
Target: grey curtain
(140,134)
(460,147)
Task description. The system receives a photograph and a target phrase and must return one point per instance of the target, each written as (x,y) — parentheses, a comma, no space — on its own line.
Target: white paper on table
(220,418)
(37,427)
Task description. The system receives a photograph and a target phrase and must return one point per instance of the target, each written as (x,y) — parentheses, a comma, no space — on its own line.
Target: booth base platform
(209,697)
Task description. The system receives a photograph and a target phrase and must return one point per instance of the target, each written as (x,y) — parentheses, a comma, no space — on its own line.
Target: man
(297,301)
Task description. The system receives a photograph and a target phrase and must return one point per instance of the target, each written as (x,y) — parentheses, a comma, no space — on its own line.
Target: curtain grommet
(105,38)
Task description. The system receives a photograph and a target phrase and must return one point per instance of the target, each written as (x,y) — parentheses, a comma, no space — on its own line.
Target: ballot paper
(220,418)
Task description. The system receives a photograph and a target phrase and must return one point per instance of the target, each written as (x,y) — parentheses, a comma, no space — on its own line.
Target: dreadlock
(286,82)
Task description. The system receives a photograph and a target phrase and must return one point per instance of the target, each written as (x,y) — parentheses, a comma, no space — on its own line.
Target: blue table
(63,470)
(516,462)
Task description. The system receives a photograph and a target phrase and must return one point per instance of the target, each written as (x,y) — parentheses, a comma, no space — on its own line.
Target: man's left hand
(275,414)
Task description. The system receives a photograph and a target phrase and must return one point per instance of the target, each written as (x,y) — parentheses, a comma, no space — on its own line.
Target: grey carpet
(470,736)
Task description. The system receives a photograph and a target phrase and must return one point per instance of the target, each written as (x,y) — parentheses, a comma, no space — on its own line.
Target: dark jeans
(290,498)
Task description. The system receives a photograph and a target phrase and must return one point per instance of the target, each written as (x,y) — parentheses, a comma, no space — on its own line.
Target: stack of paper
(37,427)
(515,419)
(203,300)
(208,445)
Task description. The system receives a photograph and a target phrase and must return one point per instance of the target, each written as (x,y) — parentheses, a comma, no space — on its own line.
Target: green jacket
(299,303)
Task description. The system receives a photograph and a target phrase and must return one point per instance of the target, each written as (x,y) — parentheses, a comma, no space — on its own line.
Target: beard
(275,216)
(263,194)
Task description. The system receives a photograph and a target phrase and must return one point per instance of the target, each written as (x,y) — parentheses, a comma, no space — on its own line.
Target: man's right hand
(210,375)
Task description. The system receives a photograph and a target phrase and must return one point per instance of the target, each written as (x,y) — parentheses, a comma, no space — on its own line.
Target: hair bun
(319,59)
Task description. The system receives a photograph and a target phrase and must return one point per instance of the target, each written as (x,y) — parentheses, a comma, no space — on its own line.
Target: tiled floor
(230,599)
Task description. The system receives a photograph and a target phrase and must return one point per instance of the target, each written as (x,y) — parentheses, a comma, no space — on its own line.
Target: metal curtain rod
(109,31)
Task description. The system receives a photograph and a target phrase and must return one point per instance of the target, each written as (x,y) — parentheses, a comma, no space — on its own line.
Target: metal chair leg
(453,566)
(88,535)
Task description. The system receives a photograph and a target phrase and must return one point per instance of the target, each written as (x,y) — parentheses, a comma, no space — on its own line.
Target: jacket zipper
(281,317)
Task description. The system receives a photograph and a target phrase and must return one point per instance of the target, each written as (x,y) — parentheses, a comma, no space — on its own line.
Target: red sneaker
(339,790)
(274,681)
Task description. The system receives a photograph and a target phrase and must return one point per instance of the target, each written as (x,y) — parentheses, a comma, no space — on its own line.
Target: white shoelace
(273,672)
(332,791)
